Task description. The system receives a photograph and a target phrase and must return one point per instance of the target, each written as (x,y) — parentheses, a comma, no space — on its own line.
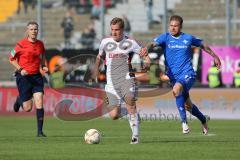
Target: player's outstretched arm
(207,49)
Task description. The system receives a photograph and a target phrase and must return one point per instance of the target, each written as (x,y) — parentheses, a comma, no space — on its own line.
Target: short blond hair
(32,23)
(119,21)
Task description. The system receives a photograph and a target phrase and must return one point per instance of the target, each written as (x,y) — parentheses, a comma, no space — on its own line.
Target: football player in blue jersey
(176,47)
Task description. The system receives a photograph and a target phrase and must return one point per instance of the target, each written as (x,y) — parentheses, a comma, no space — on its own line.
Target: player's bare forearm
(18,68)
(143,52)
(15,64)
(207,49)
(96,67)
(147,59)
(147,62)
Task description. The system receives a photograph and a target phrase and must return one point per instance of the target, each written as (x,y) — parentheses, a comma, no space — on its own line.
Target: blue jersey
(177,52)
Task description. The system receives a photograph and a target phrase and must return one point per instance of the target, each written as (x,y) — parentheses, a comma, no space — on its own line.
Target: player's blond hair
(118,21)
(32,23)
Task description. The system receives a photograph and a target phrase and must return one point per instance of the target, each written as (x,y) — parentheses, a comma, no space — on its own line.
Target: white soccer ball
(92,136)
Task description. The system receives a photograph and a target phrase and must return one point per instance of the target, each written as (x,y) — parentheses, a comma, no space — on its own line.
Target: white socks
(134,124)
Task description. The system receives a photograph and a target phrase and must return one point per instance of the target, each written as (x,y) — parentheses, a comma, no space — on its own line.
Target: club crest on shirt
(110,46)
(185,41)
(125,45)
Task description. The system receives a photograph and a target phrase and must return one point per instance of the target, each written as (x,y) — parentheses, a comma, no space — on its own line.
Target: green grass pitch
(159,140)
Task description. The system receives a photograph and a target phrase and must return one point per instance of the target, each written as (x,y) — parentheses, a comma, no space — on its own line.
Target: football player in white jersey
(120,87)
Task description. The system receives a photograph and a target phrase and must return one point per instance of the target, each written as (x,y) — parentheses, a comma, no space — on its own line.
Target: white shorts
(117,92)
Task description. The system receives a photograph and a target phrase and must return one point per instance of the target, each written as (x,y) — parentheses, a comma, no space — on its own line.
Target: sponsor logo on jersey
(177,46)
(117,55)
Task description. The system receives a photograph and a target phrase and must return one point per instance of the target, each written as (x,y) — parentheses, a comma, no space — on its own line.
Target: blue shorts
(187,81)
(28,85)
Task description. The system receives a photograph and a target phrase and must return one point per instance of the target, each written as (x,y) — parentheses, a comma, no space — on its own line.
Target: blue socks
(180,100)
(180,105)
(40,117)
(195,111)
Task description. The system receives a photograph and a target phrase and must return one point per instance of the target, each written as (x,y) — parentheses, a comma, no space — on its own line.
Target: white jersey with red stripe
(117,57)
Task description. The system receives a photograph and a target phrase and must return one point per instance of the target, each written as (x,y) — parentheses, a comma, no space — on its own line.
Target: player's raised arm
(207,49)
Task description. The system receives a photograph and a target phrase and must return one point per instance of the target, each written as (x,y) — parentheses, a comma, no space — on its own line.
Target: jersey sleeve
(136,46)
(196,41)
(15,51)
(160,40)
(101,48)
